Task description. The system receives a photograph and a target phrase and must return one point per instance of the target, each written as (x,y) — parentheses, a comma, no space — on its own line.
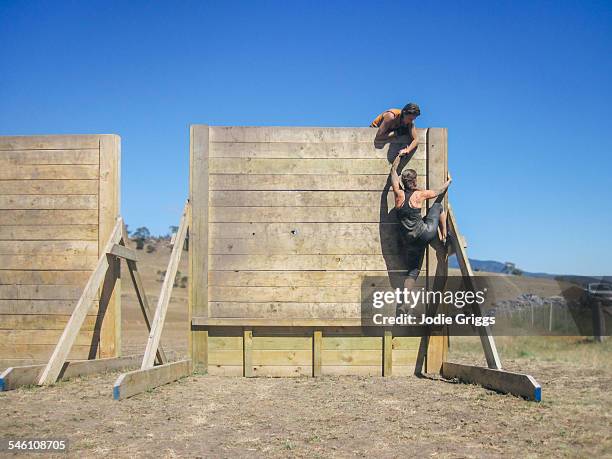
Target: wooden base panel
(138,381)
(27,375)
(503,381)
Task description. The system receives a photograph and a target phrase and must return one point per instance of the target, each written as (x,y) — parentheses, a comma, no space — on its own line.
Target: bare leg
(408,285)
(442,230)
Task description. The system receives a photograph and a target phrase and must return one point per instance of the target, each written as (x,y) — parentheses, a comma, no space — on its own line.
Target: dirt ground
(203,416)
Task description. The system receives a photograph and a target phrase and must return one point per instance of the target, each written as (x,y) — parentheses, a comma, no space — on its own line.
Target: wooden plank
(44,217)
(41,352)
(274,166)
(299,278)
(60,353)
(304,245)
(48,337)
(22,277)
(65,247)
(49,142)
(225,370)
(307,150)
(306,262)
(298,134)
(247,350)
(50,172)
(330,294)
(48,232)
(110,199)
(27,201)
(166,292)
(317,348)
(288,322)
(227,357)
(44,307)
(347,343)
(284,310)
(404,357)
(298,198)
(31,157)
(354,357)
(15,377)
(263,341)
(20,322)
(503,381)
(486,338)
(344,214)
(298,182)
(294,231)
(42,187)
(55,262)
(282,371)
(138,381)
(124,252)
(388,353)
(224,342)
(40,292)
(198,240)
(277,357)
(352,370)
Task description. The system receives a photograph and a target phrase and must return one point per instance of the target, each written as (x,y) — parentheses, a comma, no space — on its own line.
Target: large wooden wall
(286,224)
(59,199)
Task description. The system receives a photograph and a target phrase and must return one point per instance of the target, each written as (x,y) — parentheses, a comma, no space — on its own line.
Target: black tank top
(411,221)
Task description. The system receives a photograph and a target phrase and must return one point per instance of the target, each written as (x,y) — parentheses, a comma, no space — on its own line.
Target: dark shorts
(413,249)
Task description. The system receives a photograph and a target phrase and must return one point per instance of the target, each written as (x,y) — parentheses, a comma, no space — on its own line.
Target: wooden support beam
(142,297)
(247,353)
(317,351)
(60,353)
(144,307)
(274,322)
(166,292)
(15,377)
(502,381)
(388,353)
(124,252)
(488,343)
(138,381)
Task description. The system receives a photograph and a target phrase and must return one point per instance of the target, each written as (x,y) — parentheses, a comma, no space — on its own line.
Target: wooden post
(388,353)
(109,208)
(317,348)
(599,322)
(550,317)
(437,258)
(486,339)
(198,235)
(247,347)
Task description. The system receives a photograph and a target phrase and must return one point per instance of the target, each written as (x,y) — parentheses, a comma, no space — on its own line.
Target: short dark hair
(411,109)
(409,179)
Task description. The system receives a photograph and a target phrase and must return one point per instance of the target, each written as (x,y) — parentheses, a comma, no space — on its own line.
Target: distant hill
(492,266)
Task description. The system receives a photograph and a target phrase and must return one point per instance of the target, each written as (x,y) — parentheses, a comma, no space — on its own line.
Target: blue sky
(523,87)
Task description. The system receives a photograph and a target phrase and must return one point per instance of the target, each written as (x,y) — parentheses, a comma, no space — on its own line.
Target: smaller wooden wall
(59,199)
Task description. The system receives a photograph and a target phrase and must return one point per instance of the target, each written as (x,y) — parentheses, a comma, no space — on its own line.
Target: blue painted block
(116,392)
(538,394)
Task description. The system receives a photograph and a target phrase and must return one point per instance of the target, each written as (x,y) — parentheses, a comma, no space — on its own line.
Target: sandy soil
(202,416)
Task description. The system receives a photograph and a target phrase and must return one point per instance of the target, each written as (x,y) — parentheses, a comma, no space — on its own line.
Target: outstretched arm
(421,195)
(395,182)
(413,144)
